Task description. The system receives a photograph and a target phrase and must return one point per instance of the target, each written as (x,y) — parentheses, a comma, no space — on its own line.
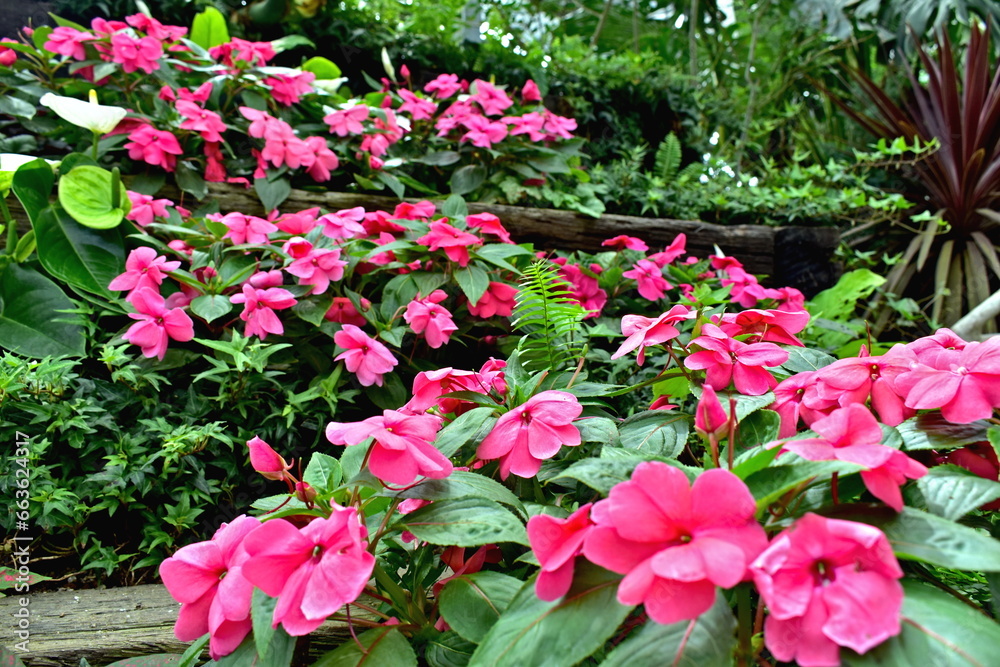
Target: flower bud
(266,461)
(305,492)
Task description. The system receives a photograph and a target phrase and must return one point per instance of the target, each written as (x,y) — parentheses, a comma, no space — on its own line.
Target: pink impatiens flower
(498,299)
(317,268)
(342,310)
(557,543)
(259,307)
(454,241)
(144,268)
(403,449)
(532,432)
(487,223)
(136,53)
(644,332)
(623,242)
(287,89)
(365,357)
(157,323)
(675,542)
(652,284)
(828,583)
(145,208)
(429,317)
(206,123)
(207,579)
(156,147)
(68,42)
(726,359)
(245,228)
(445,85)
(313,571)
(490,98)
(773,326)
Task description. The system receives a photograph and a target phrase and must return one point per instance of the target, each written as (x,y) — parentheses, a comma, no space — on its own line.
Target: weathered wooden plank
(111,624)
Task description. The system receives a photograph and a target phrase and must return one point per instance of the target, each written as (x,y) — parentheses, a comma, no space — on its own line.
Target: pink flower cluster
(677,543)
(313,571)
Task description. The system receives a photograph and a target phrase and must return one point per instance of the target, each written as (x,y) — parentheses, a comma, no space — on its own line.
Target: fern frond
(668,157)
(549,319)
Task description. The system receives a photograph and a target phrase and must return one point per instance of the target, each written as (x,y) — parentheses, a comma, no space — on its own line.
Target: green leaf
(464,484)
(614,467)
(85,258)
(706,641)
(192,655)
(15,106)
(9,658)
(455,208)
(32,184)
(655,432)
(759,428)
(30,319)
(382,646)
(153,660)
(802,359)
(211,307)
(472,603)
(466,179)
(474,281)
(931,431)
(440,159)
(209,28)
(917,535)
(952,492)
(839,302)
(190,180)
(467,522)
(261,612)
(938,630)
(771,483)
(289,42)
(463,430)
(448,650)
(598,429)
(86,194)
(323,472)
(323,68)
(313,311)
(564,631)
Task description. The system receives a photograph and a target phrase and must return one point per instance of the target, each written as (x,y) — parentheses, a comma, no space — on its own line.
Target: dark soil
(15,14)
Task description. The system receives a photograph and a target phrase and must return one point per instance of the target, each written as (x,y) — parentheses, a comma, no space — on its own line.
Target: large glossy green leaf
(467,522)
(32,184)
(85,258)
(382,646)
(30,321)
(931,431)
(555,634)
(448,650)
(209,28)
(472,603)
(655,432)
(771,483)
(323,472)
(463,430)
(465,484)
(917,535)
(706,641)
(937,630)
(473,281)
(952,492)
(86,194)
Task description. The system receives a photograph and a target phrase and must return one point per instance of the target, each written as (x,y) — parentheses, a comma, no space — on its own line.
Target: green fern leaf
(549,319)
(668,157)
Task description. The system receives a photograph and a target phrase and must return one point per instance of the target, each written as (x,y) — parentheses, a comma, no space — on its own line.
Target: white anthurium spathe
(98,118)
(9,162)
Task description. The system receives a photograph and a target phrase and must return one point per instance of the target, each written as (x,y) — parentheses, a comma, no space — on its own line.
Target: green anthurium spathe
(88,194)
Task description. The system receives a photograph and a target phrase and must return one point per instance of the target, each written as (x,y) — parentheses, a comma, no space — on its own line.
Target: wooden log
(111,624)
(757,246)
(799,257)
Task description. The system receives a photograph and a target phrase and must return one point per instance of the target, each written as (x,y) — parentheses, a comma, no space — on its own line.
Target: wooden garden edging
(111,624)
(797,256)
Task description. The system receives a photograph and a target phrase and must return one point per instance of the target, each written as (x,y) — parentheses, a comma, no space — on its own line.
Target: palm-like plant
(960,182)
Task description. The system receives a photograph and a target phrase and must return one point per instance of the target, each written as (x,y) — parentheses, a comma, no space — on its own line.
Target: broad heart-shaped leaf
(272,191)
(382,646)
(758,428)
(466,522)
(464,484)
(655,432)
(472,603)
(210,307)
(559,633)
(917,535)
(938,631)
(706,641)
(323,472)
(952,492)
(85,258)
(448,650)
(209,28)
(323,68)
(461,431)
(86,194)
(30,321)
(32,184)
(474,282)
(930,431)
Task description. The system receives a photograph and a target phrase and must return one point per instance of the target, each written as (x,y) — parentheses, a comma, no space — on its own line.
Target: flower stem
(744,649)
